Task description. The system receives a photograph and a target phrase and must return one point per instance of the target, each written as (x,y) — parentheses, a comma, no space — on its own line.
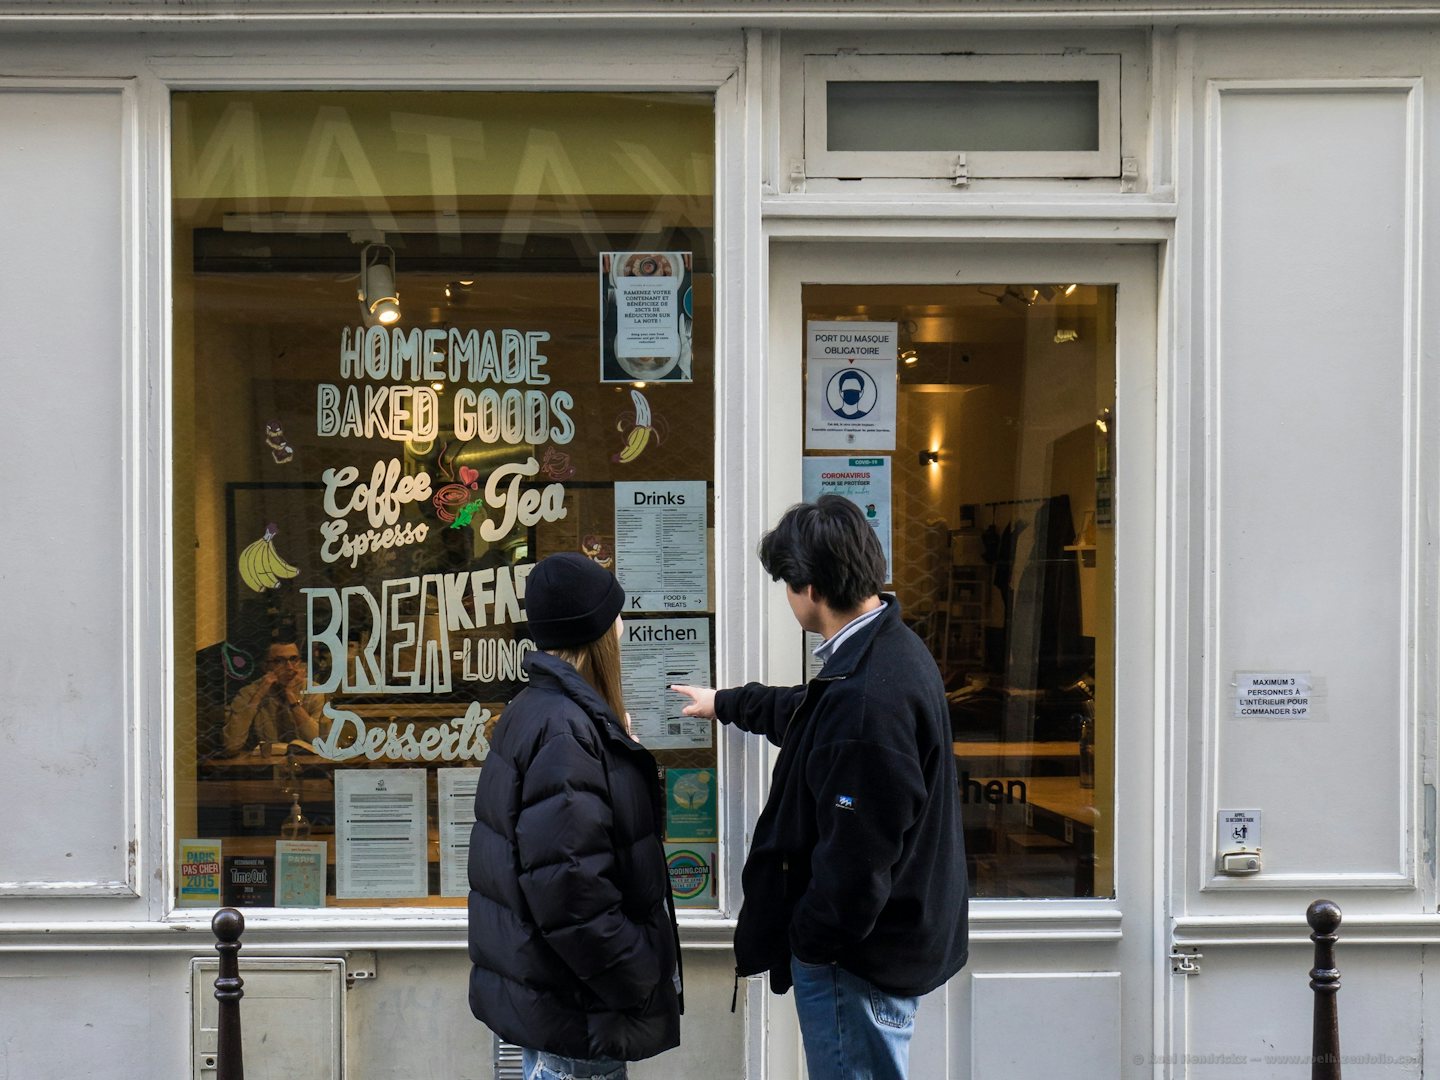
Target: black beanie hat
(570,600)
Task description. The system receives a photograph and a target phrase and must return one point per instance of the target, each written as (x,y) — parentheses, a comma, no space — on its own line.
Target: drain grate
(507,1061)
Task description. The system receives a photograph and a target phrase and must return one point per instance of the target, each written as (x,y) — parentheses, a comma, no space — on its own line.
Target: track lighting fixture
(379,298)
(1014,299)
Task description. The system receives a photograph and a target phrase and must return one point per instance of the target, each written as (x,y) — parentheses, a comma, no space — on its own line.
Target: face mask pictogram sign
(850,385)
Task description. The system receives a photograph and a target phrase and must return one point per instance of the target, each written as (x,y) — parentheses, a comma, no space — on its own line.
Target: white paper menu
(661,552)
(380,833)
(457,815)
(658,652)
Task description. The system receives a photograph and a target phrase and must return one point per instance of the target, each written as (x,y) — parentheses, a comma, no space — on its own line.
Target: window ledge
(313,933)
(971,207)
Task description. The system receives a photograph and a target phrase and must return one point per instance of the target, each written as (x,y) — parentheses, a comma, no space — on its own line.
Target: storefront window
(974,425)
(421,341)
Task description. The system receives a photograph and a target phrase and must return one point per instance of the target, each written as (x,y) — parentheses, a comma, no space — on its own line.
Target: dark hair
(827,544)
(598,663)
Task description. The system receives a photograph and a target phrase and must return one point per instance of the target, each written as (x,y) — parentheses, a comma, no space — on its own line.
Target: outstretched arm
(754,707)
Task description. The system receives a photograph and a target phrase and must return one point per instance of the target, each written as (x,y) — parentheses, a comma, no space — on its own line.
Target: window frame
(531,71)
(821,162)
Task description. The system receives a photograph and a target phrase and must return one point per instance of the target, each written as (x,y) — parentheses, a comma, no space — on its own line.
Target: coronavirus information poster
(865,481)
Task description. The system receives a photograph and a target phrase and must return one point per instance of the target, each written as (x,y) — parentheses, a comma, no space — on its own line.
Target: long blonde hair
(598,663)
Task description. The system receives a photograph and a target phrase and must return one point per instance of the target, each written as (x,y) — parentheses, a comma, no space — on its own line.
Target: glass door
(992,412)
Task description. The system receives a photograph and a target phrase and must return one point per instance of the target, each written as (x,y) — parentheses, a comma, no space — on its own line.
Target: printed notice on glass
(200,866)
(658,652)
(812,662)
(300,873)
(660,545)
(457,814)
(1261,695)
(850,385)
(380,833)
(865,481)
(692,874)
(646,314)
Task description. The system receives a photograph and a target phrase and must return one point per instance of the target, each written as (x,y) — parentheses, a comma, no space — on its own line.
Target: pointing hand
(702,700)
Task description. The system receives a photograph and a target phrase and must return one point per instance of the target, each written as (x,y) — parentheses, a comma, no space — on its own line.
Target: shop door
(993,411)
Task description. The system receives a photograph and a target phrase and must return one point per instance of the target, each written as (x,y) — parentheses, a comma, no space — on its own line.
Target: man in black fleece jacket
(855,887)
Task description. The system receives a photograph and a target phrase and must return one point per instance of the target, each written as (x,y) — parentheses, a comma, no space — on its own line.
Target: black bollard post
(228,925)
(1324,919)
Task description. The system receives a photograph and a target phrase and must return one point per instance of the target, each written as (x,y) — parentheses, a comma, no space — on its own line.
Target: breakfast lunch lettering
(404,651)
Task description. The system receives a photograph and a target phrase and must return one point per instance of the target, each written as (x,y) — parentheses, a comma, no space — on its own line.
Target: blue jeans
(538,1065)
(852,1029)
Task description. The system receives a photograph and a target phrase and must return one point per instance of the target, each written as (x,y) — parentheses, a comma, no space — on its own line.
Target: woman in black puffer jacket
(572,930)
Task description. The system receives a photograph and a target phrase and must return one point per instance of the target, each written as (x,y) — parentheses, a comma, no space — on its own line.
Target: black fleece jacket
(858,857)
(572,931)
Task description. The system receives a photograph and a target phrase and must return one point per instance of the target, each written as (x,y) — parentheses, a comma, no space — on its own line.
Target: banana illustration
(641,428)
(634,446)
(261,566)
(642,408)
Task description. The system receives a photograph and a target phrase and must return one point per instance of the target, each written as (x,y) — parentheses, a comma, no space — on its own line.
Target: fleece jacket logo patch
(844,802)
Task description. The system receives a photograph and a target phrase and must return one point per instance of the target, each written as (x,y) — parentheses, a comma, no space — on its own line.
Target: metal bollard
(228,925)
(1324,919)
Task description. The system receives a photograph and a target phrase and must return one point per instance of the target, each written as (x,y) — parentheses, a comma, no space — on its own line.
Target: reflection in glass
(1003,527)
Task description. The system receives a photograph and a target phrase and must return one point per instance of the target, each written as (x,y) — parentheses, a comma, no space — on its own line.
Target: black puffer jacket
(572,930)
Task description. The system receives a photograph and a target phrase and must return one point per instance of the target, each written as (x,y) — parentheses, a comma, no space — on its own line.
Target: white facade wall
(1283,173)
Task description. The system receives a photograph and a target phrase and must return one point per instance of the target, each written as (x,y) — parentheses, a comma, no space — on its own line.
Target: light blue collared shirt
(826,648)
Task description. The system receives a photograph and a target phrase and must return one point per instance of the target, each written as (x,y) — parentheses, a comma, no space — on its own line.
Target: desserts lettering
(461,738)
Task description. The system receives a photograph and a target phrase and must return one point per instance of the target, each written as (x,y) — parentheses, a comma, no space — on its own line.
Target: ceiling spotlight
(1070,289)
(1014,299)
(910,356)
(460,293)
(1045,292)
(379,298)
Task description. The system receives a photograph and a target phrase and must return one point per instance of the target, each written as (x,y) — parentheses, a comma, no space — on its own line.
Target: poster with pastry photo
(646,315)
